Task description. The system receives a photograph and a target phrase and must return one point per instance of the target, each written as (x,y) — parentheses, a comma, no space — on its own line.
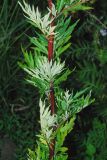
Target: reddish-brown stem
(50,57)
(50,48)
(51,95)
(51,37)
(51,149)
(50,4)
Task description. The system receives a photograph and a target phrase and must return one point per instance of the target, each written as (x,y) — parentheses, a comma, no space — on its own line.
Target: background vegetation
(18,100)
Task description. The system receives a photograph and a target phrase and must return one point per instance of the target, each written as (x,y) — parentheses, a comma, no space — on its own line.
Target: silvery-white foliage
(46,70)
(43,23)
(54,11)
(47,121)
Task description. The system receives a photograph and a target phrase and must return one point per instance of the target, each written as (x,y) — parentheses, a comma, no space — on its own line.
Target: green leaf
(70,29)
(63,49)
(64,35)
(62,132)
(60,4)
(63,149)
(62,42)
(63,77)
(78,94)
(40,45)
(79,7)
(31,155)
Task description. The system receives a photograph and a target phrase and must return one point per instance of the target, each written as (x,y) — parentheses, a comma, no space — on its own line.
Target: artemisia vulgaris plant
(58,108)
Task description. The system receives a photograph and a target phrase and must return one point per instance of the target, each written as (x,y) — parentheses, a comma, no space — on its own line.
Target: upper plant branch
(70,7)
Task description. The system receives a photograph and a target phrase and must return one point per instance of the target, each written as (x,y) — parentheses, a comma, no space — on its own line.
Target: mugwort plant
(46,71)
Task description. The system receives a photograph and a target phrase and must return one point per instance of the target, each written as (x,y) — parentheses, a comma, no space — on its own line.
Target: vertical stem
(51,150)
(52,96)
(50,57)
(51,37)
(50,47)
(50,4)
